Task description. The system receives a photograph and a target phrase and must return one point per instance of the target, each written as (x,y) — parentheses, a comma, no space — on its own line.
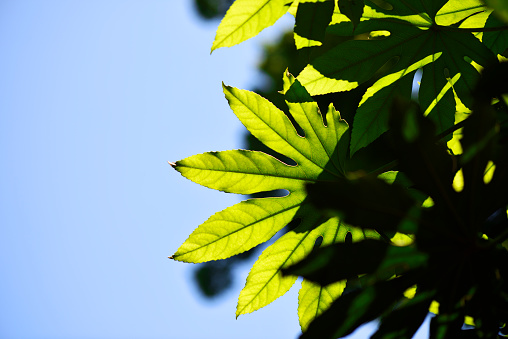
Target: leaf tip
(224,86)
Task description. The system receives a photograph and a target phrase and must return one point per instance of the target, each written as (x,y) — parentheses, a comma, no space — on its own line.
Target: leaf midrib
(286,209)
(243,23)
(262,174)
(276,271)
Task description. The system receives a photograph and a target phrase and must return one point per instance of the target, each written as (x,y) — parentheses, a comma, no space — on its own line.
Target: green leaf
(320,155)
(348,261)
(371,119)
(268,124)
(500,7)
(238,228)
(409,40)
(357,307)
(265,282)
(455,11)
(426,163)
(367,202)
(311,21)
(314,299)
(246,18)
(379,45)
(497,41)
(353,9)
(411,314)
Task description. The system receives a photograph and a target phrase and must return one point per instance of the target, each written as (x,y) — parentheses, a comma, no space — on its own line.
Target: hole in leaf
(349,238)
(373,35)
(271,194)
(254,144)
(379,35)
(317,243)
(416,84)
(298,129)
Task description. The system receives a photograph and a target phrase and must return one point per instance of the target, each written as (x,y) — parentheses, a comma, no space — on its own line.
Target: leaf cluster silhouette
(389,162)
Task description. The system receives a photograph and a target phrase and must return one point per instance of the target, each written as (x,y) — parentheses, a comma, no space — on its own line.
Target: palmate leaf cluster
(426,230)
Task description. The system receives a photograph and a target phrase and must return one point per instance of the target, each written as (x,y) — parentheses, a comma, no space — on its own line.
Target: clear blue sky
(95,97)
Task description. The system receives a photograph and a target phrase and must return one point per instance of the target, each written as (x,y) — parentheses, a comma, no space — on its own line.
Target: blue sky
(95,97)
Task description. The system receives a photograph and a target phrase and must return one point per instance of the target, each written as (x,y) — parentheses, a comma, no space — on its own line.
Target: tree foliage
(397,206)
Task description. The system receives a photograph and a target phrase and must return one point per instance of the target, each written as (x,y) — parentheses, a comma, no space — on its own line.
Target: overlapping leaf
(320,157)
(314,299)
(311,21)
(320,154)
(411,36)
(439,262)
(384,42)
(497,41)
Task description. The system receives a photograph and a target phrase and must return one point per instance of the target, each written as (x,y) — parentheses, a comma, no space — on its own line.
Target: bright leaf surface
(319,156)
(415,36)
(247,172)
(246,18)
(381,44)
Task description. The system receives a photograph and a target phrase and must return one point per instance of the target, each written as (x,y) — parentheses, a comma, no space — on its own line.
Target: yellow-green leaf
(246,18)
(265,282)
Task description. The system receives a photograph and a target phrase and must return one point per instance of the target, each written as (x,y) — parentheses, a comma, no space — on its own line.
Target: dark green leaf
(358,307)
(496,40)
(367,202)
(312,19)
(353,9)
(446,325)
(424,29)
(426,162)
(404,321)
(340,261)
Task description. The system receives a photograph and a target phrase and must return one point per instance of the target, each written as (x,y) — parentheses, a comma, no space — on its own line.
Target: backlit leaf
(246,18)
(265,282)
(353,9)
(314,299)
(312,18)
(357,307)
(441,51)
(319,155)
